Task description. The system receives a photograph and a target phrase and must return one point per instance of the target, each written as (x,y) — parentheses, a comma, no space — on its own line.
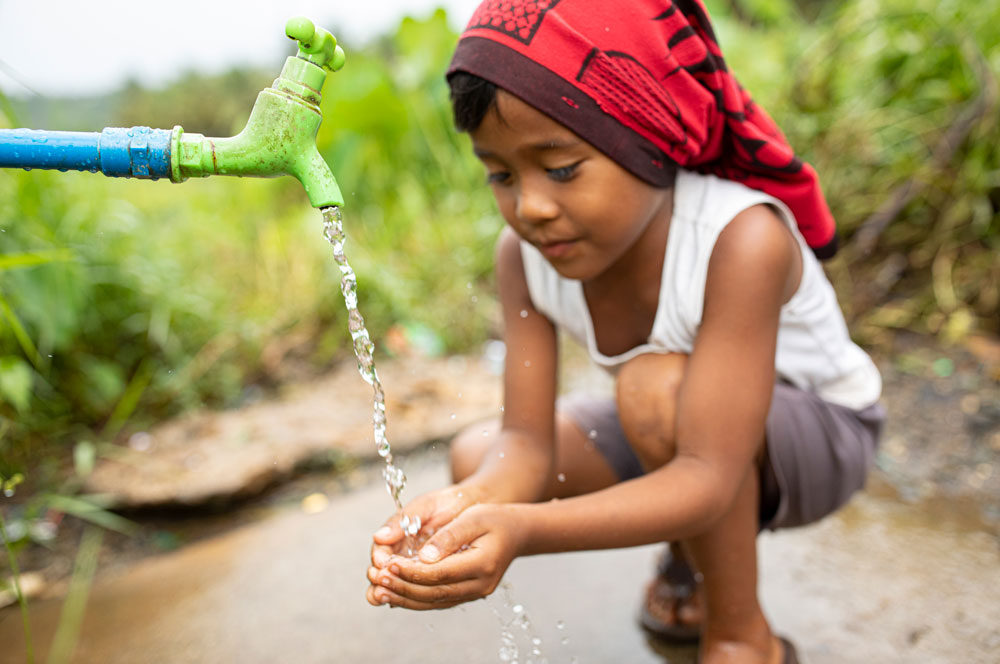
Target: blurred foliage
(895,103)
(213,105)
(122,303)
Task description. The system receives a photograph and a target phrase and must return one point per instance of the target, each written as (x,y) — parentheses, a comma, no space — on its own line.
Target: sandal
(674,583)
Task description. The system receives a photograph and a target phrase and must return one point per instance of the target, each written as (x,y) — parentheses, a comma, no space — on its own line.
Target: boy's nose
(535,206)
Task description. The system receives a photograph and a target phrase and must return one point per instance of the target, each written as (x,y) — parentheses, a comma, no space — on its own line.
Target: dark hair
(472,97)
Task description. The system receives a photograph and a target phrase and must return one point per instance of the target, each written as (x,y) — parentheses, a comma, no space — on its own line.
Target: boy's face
(582,210)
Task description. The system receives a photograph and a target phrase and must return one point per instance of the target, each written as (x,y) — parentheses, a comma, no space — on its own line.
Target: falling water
(364,350)
(395,479)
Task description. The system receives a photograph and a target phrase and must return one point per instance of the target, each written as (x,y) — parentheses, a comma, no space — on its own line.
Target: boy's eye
(497,178)
(563,173)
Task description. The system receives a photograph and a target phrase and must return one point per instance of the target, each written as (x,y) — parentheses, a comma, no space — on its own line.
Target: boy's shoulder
(708,199)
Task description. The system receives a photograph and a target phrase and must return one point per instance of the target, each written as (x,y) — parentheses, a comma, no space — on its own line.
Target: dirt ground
(942,442)
(940,455)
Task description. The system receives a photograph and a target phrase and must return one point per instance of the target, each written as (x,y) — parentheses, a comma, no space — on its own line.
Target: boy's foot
(782,652)
(671,609)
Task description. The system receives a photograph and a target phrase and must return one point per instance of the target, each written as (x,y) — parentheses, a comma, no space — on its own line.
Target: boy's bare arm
(722,407)
(518,466)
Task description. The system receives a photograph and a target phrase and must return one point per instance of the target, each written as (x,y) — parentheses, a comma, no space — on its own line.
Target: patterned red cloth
(644,81)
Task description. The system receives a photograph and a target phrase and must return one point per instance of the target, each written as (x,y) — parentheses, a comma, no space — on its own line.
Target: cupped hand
(434,509)
(463,560)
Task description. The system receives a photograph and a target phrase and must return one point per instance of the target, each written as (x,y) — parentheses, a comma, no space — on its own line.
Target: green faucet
(279,139)
(280,136)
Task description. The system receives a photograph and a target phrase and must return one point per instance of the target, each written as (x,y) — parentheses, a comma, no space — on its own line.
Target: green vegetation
(895,103)
(125,302)
(122,303)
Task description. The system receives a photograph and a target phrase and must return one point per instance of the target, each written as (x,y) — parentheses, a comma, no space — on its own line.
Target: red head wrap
(643,81)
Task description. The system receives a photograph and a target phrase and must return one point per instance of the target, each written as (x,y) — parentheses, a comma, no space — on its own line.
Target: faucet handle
(316,45)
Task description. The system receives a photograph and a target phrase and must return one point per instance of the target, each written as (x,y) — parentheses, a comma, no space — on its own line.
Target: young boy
(658,216)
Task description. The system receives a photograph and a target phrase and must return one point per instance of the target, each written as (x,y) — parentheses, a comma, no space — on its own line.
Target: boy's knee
(646,391)
(468,448)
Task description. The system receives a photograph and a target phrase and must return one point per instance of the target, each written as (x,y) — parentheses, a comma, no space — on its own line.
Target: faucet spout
(280,136)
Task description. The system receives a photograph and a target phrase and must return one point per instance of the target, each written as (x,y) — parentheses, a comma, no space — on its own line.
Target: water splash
(364,351)
(513,621)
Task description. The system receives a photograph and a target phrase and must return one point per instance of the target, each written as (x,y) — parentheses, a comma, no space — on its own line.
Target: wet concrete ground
(879,582)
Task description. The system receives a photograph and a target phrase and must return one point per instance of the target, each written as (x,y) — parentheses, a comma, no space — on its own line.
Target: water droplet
(500,455)
(517,608)
(593,434)
(410,526)
(537,641)
(9,493)
(474,299)
(527,363)
(561,477)
(452,416)
(524,313)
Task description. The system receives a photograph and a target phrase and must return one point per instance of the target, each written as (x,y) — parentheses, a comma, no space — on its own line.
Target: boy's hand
(434,509)
(463,561)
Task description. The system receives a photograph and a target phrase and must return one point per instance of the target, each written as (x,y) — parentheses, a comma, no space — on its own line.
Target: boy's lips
(556,248)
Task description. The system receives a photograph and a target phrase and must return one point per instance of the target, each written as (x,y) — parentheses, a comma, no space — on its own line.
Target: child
(658,216)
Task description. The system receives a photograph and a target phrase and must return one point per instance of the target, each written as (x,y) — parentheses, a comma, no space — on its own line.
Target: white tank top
(814,351)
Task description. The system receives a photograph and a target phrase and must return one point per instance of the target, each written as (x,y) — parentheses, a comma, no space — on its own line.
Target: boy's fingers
(390,533)
(461,566)
(381,555)
(449,539)
(372,598)
(380,595)
(461,591)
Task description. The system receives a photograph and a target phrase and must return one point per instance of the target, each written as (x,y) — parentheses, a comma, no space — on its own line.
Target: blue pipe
(138,152)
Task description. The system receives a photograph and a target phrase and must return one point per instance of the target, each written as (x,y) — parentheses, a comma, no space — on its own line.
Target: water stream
(395,478)
(364,350)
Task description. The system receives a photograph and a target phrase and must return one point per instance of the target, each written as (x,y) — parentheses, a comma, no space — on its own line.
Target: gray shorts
(818,453)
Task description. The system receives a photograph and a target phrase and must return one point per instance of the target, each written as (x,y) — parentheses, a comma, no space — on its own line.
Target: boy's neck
(623,299)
